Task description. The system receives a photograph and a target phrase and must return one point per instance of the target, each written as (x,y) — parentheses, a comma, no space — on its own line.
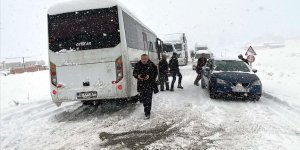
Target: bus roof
(80,5)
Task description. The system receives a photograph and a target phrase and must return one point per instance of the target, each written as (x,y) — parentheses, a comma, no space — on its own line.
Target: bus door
(159,47)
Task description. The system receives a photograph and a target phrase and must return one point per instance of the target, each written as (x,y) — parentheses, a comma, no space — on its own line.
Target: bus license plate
(85,95)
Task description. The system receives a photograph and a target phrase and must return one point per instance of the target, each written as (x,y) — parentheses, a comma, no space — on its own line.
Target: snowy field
(184,119)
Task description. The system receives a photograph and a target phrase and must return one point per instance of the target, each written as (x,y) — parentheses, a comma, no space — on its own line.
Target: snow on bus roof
(79,5)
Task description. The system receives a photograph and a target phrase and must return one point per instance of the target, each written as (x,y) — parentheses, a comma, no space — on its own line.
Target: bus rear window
(84,30)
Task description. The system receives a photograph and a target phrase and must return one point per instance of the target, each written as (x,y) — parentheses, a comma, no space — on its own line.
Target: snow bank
(24,88)
(279,71)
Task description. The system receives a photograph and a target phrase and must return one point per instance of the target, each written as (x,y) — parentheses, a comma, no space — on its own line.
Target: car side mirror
(254,70)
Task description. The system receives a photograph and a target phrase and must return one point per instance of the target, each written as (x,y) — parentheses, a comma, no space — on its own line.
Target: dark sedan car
(231,78)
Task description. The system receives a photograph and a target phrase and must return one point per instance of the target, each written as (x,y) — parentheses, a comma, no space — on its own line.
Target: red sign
(251,58)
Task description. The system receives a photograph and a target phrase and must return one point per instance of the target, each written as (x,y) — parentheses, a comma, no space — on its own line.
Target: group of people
(146,72)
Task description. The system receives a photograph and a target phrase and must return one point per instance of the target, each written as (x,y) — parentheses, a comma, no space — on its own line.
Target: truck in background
(199,51)
(177,43)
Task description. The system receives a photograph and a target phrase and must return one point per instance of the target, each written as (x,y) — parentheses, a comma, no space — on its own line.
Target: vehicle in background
(177,43)
(231,78)
(93,48)
(199,51)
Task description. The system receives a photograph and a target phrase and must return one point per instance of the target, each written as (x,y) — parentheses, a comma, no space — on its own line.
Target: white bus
(93,46)
(177,43)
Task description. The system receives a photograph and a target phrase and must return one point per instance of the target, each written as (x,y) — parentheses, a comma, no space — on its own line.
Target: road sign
(250,51)
(251,58)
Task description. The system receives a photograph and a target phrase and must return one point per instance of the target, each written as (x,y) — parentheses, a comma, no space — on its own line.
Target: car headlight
(257,82)
(220,81)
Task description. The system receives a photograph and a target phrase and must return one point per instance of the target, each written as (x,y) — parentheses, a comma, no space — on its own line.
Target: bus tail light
(54,92)
(120,87)
(53,74)
(119,69)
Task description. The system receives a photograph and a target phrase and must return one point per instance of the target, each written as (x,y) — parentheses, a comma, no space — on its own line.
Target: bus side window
(145,41)
(150,46)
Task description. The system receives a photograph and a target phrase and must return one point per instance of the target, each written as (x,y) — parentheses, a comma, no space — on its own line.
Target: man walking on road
(201,62)
(145,71)
(163,73)
(174,68)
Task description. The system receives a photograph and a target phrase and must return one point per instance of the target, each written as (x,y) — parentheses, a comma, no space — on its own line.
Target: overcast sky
(221,24)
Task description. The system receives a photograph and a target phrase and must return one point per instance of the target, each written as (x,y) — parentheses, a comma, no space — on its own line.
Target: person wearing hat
(174,69)
(243,59)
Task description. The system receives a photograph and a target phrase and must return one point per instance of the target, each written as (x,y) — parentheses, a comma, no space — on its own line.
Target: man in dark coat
(201,62)
(145,71)
(174,68)
(243,59)
(163,73)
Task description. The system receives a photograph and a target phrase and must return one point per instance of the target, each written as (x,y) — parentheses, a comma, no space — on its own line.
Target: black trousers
(174,74)
(164,80)
(199,76)
(146,98)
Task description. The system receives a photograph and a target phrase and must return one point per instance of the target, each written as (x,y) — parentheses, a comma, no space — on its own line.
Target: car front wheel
(212,94)
(256,98)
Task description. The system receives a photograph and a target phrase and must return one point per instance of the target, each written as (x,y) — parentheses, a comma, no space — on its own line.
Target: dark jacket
(163,67)
(146,69)
(173,64)
(245,60)
(201,62)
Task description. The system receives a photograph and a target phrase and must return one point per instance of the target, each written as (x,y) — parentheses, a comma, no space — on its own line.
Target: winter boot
(195,83)
(179,86)
(147,117)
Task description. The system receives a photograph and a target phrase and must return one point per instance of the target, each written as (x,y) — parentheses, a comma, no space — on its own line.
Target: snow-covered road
(184,119)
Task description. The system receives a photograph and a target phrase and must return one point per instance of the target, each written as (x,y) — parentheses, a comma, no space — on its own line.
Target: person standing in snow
(163,73)
(174,68)
(201,62)
(145,71)
(193,55)
(243,59)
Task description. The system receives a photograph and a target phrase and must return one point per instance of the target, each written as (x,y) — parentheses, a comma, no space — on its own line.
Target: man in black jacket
(145,71)
(163,73)
(174,68)
(243,59)
(201,62)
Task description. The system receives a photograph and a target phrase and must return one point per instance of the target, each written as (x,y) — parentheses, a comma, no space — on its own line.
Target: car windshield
(168,48)
(231,65)
(201,48)
(207,56)
(178,47)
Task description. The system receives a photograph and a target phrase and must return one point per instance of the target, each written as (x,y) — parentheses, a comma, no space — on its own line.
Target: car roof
(233,59)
